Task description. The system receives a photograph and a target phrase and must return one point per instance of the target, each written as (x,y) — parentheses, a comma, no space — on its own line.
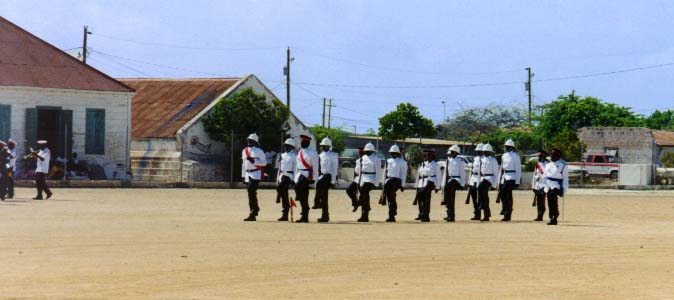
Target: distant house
(168,129)
(47,94)
(631,145)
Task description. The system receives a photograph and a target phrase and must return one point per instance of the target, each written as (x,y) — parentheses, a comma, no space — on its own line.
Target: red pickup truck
(599,165)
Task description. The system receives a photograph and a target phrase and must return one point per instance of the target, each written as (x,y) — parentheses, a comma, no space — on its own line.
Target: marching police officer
(4,164)
(370,176)
(395,177)
(42,170)
(488,171)
(538,184)
(286,175)
(428,181)
(11,146)
(253,161)
(306,169)
(327,176)
(557,183)
(475,180)
(511,172)
(352,190)
(453,178)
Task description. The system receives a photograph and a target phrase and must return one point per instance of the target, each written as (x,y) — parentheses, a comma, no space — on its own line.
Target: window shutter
(5,122)
(31,128)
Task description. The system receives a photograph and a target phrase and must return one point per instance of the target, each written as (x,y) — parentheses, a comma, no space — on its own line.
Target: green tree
(661,120)
(525,139)
(246,112)
(667,159)
(405,122)
(336,135)
(477,124)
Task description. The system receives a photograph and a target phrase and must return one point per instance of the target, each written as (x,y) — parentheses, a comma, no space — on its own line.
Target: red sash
(539,168)
(246,151)
(307,166)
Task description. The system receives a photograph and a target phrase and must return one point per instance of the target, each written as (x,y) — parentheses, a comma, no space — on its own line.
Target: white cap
(487,148)
(253,136)
(11,141)
(479,147)
(510,143)
(290,142)
(41,142)
(394,149)
(454,148)
(326,142)
(368,147)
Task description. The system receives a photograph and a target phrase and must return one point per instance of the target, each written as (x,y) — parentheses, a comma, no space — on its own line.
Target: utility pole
(573,94)
(84,45)
(287,73)
(323,112)
(330,106)
(444,115)
(355,130)
(528,89)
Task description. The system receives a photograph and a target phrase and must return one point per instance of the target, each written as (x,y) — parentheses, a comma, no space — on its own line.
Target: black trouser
(302,195)
(450,197)
(364,199)
(3,183)
(539,198)
(10,182)
(322,188)
(282,192)
(483,197)
(390,188)
(424,200)
(41,184)
(472,190)
(507,197)
(252,186)
(352,191)
(553,203)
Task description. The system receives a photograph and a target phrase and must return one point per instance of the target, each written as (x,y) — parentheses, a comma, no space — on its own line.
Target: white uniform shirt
(43,165)
(252,170)
(371,169)
(356,171)
(310,157)
(12,159)
(512,166)
(429,171)
(328,163)
(538,181)
(554,172)
(396,168)
(489,170)
(286,165)
(455,170)
(475,170)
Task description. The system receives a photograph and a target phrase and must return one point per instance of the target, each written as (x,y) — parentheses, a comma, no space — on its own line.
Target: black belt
(290,172)
(454,176)
(509,171)
(304,170)
(484,175)
(370,173)
(252,170)
(424,177)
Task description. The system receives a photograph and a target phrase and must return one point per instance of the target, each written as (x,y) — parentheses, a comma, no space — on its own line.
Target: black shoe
(250,218)
(425,219)
(37,198)
(323,219)
(553,222)
(485,219)
(417,218)
(316,206)
(2,198)
(284,217)
(364,218)
(442,203)
(502,213)
(302,220)
(450,219)
(538,219)
(475,218)
(49,195)
(391,220)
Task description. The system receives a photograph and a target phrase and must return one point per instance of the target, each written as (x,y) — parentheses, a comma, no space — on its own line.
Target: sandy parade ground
(192,244)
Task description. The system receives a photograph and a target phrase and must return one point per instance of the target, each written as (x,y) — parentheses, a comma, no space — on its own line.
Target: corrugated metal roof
(26,60)
(422,141)
(664,138)
(162,106)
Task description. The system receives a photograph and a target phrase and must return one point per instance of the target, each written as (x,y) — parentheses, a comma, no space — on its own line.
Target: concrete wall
(117,122)
(635,145)
(636,174)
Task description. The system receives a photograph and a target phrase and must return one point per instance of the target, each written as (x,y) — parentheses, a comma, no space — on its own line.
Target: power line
(177,46)
(607,72)
(127,67)
(408,86)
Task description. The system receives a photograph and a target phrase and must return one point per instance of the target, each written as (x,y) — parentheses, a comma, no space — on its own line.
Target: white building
(168,128)
(47,94)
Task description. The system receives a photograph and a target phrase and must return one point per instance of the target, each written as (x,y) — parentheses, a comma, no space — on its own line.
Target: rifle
(445,180)
(471,175)
(382,197)
(278,176)
(416,197)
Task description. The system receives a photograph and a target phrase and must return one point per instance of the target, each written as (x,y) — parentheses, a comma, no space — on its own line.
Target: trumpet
(30,155)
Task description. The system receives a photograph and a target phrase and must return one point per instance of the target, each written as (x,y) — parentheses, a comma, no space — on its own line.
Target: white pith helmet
(253,137)
(454,148)
(368,147)
(510,143)
(326,142)
(290,142)
(394,149)
(479,147)
(487,148)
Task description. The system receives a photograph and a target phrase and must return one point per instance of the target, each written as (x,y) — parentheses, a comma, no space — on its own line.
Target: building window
(5,122)
(95,132)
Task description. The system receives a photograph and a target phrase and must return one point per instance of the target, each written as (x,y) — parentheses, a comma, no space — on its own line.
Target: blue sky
(371,55)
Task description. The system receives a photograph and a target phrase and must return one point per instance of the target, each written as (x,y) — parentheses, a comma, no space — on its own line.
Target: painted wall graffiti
(194,142)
